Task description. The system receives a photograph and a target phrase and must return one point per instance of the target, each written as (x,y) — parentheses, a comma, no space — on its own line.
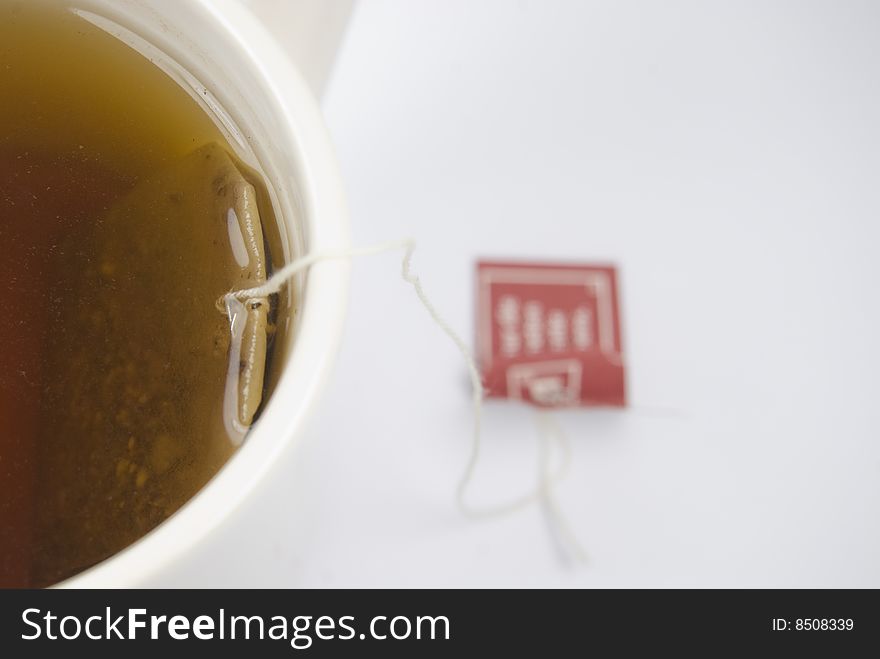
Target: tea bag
(138,418)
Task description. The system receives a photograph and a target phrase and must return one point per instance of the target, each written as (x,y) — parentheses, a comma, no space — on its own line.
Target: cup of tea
(154,156)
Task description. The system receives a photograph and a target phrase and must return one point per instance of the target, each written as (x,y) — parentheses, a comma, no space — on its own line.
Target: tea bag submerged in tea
(140,416)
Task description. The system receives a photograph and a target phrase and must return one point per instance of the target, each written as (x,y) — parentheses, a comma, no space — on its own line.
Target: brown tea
(124,216)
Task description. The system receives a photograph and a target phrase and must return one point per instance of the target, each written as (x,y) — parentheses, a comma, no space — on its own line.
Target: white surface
(311,31)
(726,156)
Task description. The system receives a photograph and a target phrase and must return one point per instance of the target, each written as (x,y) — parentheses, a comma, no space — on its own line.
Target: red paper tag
(550,334)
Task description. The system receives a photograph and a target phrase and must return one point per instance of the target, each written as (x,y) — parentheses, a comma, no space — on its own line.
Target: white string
(550,430)
(277,281)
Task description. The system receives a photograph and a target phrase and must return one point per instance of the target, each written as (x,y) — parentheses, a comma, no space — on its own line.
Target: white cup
(219,44)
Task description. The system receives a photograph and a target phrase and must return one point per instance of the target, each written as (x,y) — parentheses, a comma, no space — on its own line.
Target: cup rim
(322,312)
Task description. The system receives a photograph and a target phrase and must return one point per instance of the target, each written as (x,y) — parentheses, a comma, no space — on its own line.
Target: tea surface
(118,232)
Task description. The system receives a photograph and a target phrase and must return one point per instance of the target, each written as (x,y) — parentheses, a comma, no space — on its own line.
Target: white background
(726,156)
